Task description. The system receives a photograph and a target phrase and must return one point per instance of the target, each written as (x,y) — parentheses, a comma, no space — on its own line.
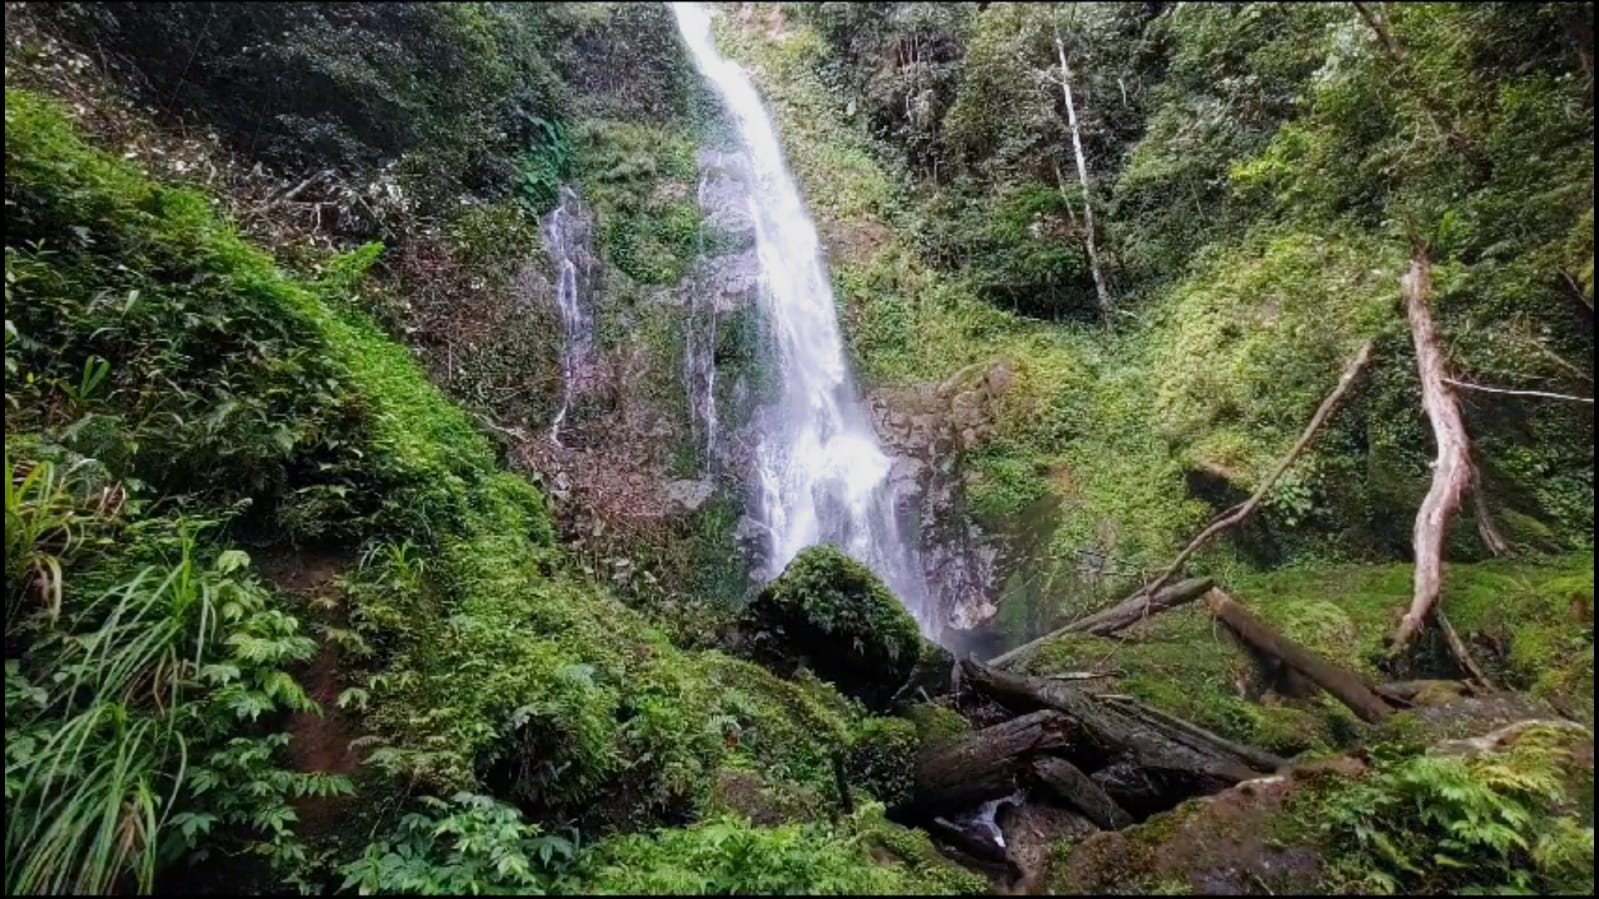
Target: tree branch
(1240,513)
(1541,394)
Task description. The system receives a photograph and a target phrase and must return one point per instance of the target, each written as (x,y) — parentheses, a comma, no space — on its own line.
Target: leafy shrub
(134,728)
(1492,822)
(467,846)
(727,856)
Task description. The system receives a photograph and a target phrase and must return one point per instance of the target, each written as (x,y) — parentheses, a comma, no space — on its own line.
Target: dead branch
(1458,647)
(1103,623)
(1241,513)
(1541,394)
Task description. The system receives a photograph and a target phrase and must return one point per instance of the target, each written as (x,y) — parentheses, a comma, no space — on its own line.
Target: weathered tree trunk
(1200,738)
(1240,513)
(1452,473)
(1136,608)
(1101,732)
(984,765)
(1103,623)
(1347,686)
(1079,790)
(1091,241)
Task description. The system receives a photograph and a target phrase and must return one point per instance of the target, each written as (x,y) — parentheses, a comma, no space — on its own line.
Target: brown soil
(318,743)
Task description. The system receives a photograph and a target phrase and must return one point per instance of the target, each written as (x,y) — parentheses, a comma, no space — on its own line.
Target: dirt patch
(318,743)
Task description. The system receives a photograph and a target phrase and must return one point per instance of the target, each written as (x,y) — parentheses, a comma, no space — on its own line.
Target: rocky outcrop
(928,428)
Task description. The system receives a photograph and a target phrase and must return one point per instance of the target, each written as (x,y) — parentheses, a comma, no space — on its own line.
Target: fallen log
(1200,738)
(1108,621)
(1413,692)
(1101,732)
(1136,608)
(1345,685)
(1079,790)
(985,765)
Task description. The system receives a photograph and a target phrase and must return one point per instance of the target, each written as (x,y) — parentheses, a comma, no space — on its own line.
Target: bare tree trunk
(1347,686)
(1452,472)
(1082,176)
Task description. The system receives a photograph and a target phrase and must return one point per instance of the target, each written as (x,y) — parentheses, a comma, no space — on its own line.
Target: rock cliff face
(929,428)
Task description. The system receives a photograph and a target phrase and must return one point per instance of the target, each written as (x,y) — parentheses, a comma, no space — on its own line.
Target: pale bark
(1091,241)
(1452,471)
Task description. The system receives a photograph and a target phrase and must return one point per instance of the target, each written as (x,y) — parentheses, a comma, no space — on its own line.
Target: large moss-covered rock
(828,613)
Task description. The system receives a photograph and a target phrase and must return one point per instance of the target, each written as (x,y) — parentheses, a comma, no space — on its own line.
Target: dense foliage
(251,512)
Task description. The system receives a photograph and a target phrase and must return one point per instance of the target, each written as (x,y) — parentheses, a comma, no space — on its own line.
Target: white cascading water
(568,237)
(699,356)
(822,476)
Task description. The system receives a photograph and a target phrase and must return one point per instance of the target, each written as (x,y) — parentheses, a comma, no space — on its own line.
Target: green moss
(833,612)
(915,851)
(727,856)
(937,724)
(882,759)
(1345,613)
(639,179)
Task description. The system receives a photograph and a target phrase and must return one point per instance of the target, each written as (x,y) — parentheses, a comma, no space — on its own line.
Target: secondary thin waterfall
(699,352)
(568,235)
(821,474)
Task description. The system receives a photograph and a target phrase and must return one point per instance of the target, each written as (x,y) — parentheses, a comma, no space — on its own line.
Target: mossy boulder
(937,724)
(882,759)
(829,614)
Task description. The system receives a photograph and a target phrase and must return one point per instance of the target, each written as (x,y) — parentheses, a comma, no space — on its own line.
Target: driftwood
(1345,685)
(1242,512)
(984,765)
(1100,732)
(1200,738)
(1079,790)
(1108,621)
(1452,472)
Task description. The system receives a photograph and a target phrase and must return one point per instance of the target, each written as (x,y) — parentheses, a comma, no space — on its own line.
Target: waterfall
(699,347)
(821,475)
(569,238)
